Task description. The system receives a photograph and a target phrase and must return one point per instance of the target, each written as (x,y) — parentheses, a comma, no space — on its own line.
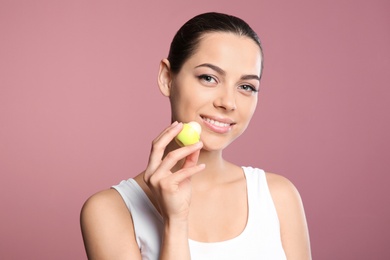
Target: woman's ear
(165,77)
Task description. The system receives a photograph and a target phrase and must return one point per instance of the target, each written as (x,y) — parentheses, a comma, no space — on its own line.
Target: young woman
(190,203)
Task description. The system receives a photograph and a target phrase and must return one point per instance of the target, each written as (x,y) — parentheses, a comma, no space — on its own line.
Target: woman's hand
(172,189)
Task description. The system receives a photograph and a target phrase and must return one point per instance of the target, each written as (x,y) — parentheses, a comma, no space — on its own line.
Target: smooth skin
(199,194)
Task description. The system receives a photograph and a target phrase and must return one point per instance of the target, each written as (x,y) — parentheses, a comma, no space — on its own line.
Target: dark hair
(187,38)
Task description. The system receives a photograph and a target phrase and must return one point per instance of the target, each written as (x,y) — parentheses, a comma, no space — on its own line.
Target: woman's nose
(226,100)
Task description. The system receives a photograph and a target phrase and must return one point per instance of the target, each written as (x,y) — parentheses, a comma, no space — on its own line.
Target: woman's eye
(207,78)
(249,88)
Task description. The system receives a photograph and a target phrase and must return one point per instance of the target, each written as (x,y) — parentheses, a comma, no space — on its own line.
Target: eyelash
(208,78)
(204,76)
(252,89)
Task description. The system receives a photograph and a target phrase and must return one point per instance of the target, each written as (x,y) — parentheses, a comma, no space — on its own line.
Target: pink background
(79,106)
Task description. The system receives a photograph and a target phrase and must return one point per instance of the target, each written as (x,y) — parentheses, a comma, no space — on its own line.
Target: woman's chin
(214,146)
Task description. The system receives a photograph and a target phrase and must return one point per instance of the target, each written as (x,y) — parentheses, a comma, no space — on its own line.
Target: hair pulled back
(187,38)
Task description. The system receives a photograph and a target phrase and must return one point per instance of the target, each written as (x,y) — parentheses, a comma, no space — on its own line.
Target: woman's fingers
(159,169)
(171,182)
(175,156)
(191,159)
(172,190)
(159,144)
(165,168)
(174,124)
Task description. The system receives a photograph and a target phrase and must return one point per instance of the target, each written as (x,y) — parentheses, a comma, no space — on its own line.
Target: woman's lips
(220,126)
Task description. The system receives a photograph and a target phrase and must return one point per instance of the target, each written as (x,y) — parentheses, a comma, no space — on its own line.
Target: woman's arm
(293,226)
(107,228)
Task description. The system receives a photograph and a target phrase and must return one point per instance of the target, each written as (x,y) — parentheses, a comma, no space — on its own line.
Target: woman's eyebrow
(222,72)
(249,77)
(213,67)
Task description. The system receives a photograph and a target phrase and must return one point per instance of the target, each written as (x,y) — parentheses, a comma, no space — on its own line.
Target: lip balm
(190,134)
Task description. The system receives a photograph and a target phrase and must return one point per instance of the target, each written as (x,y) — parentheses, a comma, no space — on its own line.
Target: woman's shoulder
(105,218)
(282,189)
(103,207)
(102,199)
(291,214)
(278,182)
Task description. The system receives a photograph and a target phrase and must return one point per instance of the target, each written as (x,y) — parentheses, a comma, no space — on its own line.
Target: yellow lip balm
(190,134)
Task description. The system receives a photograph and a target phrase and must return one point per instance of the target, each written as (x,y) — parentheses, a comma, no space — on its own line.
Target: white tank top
(259,240)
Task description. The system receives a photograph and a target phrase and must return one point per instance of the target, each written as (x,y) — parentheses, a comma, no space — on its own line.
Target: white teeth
(220,124)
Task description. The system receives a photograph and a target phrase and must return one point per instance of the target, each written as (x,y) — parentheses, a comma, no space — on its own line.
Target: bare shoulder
(107,227)
(103,206)
(286,197)
(281,188)
(106,198)
(293,227)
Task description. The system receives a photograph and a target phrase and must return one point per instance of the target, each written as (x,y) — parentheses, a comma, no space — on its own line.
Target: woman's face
(218,87)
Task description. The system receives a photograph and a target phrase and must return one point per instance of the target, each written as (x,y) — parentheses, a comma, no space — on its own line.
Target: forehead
(228,51)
